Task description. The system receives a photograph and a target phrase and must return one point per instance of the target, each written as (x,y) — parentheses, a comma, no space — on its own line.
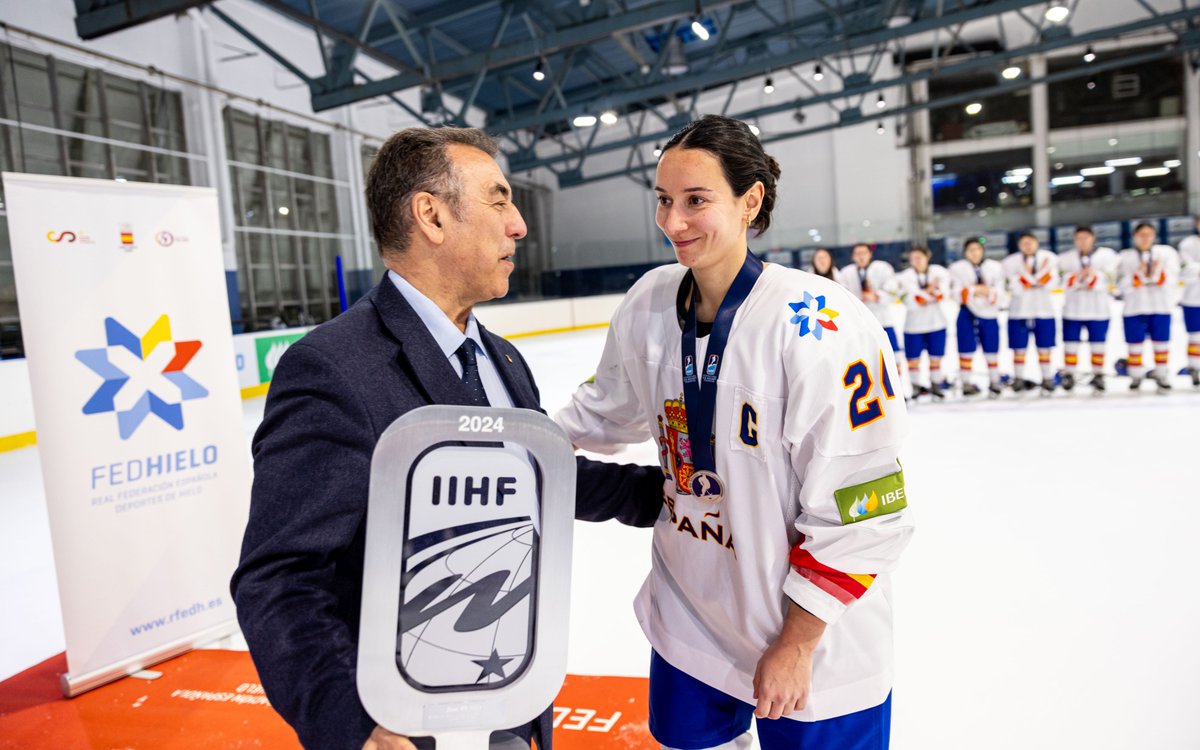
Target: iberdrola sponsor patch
(870,499)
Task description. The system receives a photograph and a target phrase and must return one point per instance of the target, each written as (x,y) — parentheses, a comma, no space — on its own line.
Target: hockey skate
(1163,382)
(1195,376)
(970,389)
(1098,383)
(1047,387)
(1135,383)
(936,391)
(1068,381)
(994,390)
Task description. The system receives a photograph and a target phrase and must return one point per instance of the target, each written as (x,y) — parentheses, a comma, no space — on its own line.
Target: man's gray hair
(415,160)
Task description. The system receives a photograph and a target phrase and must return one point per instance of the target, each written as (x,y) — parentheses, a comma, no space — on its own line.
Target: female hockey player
(1088,276)
(976,284)
(923,287)
(1032,273)
(1147,274)
(822,263)
(771,393)
(873,282)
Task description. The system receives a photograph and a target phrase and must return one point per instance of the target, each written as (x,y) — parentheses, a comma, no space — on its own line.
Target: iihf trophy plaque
(467,573)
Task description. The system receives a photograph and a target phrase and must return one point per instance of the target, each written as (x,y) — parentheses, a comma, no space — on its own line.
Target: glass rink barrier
(467,573)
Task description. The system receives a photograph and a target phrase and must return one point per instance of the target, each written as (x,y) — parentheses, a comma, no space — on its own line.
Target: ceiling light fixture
(768,86)
(817,74)
(973,108)
(1011,72)
(1057,11)
(609,117)
(699,30)
(1129,161)
(584,121)
(880,103)
(1097,171)
(1153,172)
(657,151)
(880,130)
(1089,55)
(539,70)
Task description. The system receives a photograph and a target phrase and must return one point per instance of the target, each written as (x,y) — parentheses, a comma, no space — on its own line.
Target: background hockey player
(1147,274)
(923,286)
(1032,273)
(1088,273)
(1189,252)
(977,284)
(873,282)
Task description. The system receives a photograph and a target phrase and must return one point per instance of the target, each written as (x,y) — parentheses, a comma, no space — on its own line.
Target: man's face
(1085,241)
(861,254)
(479,249)
(1027,245)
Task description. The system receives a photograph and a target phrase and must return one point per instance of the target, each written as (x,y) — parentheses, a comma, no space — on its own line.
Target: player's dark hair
(415,160)
(741,156)
(922,250)
(857,245)
(1145,224)
(827,273)
(1084,228)
(972,241)
(1030,235)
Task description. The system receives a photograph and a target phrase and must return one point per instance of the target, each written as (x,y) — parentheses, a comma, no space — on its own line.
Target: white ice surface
(1047,600)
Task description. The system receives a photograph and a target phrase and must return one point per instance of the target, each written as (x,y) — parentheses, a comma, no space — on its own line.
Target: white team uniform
(784,444)
(963,280)
(1029,283)
(923,295)
(1152,293)
(1189,254)
(1087,281)
(880,278)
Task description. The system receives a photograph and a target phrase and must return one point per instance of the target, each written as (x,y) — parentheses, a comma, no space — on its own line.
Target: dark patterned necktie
(470,376)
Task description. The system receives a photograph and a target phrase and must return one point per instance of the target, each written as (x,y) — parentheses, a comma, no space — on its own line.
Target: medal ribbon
(700,391)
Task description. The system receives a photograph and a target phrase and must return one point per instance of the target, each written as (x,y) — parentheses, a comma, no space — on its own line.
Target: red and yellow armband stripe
(1025,282)
(845,587)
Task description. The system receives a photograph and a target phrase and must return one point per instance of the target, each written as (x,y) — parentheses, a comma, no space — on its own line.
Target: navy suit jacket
(298,587)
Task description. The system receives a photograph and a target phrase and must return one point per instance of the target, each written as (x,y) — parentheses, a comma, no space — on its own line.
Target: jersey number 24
(865,410)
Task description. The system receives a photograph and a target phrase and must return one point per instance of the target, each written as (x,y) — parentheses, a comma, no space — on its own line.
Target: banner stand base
(73,685)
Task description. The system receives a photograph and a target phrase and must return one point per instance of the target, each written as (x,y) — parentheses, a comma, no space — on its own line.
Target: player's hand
(782,680)
(870,296)
(382,739)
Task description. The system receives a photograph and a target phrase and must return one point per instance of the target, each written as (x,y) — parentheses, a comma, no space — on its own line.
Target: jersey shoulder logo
(870,499)
(813,316)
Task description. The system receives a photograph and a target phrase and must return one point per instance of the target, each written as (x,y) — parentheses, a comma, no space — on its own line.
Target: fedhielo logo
(107,363)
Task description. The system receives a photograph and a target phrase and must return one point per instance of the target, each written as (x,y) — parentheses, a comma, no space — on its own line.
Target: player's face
(974,253)
(861,255)
(698,212)
(479,249)
(919,261)
(822,261)
(1143,239)
(1085,241)
(1027,245)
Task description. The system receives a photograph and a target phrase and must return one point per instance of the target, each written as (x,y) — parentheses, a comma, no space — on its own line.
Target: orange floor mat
(211,700)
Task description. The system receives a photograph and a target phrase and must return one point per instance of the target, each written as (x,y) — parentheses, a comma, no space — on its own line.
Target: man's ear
(429,213)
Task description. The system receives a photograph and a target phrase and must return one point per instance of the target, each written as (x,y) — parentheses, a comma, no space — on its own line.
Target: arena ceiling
(646,60)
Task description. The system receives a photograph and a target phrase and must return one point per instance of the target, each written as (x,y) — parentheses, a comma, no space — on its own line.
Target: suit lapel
(419,352)
(520,390)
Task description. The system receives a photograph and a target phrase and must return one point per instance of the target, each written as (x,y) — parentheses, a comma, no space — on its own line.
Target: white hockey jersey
(1151,291)
(1189,255)
(1030,281)
(879,277)
(808,423)
(922,295)
(1087,283)
(980,287)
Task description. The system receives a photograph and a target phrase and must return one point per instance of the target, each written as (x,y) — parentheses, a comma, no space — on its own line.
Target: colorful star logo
(103,400)
(808,314)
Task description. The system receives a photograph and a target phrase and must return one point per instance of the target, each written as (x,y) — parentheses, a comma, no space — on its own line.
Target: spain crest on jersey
(675,448)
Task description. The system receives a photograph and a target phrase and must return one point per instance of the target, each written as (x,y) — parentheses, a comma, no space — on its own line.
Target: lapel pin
(508,358)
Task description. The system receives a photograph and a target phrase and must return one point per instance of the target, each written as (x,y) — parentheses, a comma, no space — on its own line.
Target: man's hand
(382,739)
(783,677)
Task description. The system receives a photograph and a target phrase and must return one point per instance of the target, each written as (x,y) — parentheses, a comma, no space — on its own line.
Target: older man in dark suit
(443,217)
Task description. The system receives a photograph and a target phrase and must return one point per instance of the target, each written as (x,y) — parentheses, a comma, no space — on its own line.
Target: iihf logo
(713,361)
(471,542)
(689,366)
